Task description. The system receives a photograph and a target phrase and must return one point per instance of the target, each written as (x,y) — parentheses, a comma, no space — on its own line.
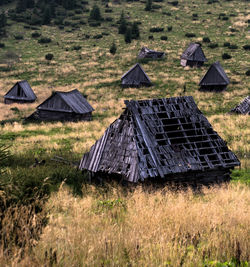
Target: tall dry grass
(139,228)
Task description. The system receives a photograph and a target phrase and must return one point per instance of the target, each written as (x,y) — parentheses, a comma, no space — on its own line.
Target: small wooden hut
(193,56)
(148,53)
(21,92)
(243,107)
(161,139)
(64,106)
(215,79)
(135,77)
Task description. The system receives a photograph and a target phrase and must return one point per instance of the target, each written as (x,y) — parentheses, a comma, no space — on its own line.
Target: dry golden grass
(160,228)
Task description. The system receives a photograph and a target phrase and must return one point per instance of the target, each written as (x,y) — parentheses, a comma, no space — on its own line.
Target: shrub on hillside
(246,47)
(18,37)
(76,47)
(164,38)
(173,3)
(113,49)
(213,45)
(97,36)
(49,56)
(226,44)
(44,40)
(95,24)
(206,40)
(95,13)
(247,73)
(35,34)
(169,28)
(226,56)
(190,35)
(2,45)
(151,37)
(233,46)
(156,29)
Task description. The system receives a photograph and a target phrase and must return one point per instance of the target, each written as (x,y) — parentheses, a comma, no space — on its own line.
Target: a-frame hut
(243,107)
(21,92)
(64,106)
(215,79)
(193,56)
(149,53)
(135,77)
(161,140)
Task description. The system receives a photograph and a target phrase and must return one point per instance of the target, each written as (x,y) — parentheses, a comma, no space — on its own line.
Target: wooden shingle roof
(135,76)
(72,101)
(27,92)
(215,76)
(243,107)
(194,52)
(157,138)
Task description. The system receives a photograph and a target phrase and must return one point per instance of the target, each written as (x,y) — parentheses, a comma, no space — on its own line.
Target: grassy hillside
(82,60)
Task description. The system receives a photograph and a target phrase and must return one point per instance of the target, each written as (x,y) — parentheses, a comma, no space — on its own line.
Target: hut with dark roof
(148,53)
(193,56)
(161,140)
(21,92)
(135,77)
(215,79)
(243,107)
(64,106)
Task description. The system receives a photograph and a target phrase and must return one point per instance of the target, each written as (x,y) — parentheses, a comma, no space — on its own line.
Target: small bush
(82,22)
(206,40)
(44,40)
(113,49)
(246,47)
(95,24)
(151,37)
(78,11)
(233,46)
(97,36)
(156,6)
(174,3)
(226,56)
(190,35)
(225,18)
(108,10)
(226,44)
(167,13)
(164,38)
(233,30)
(170,28)
(18,37)
(49,56)
(156,29)
(35,34)
(213,45)
(76,47)
(2,45)
(212,1)
(87,36)
(247,73)
(109,19)
(195,15)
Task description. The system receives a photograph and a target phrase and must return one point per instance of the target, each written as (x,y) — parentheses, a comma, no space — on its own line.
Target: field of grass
(103,229)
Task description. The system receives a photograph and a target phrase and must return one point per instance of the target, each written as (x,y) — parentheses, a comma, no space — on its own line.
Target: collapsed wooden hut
(243,107)
(161,139)
(148,53)
(63,106)
(21,92)
(135,77)
(193,56)
(215,79)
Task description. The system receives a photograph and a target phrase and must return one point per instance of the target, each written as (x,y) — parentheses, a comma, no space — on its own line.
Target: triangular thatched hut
(193,56)
(149,53)
(64,106)
(135,77)
(21,92)
(243,107)
(161,139)
(215,79)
